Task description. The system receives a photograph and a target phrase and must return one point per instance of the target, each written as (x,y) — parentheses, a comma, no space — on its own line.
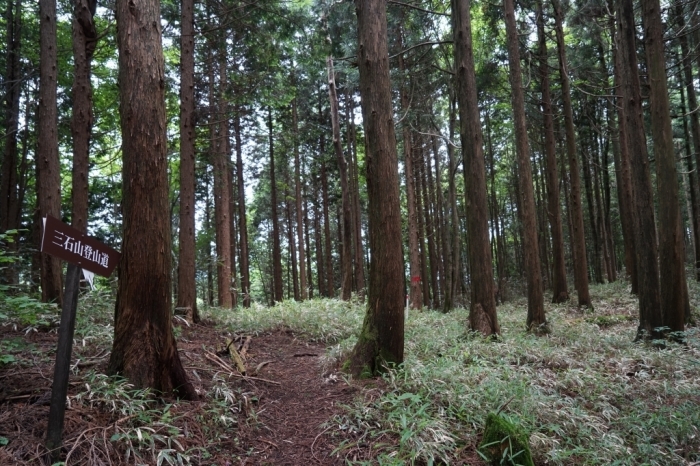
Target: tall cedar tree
(298,204)
(242,221)
(277,285)
(415,293)
(144,349)
(536,320)
(674,292)
(687,67)
(346,230)
(186,289)
(482,309)
(577,230)
(84,41)
(622,164)
(48,166)
(650,317)
(10,176)
(382,338)
(222,193)
(560,290)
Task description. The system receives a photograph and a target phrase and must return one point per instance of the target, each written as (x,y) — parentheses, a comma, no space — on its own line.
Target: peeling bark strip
(144,349)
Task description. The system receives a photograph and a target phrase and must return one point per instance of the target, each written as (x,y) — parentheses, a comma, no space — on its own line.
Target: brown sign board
(69,244)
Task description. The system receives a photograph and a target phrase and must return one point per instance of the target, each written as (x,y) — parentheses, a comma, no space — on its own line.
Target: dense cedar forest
(422,155)
(539,147)
(389,155)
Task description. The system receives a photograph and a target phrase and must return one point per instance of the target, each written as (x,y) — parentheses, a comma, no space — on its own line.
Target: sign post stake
(59,388)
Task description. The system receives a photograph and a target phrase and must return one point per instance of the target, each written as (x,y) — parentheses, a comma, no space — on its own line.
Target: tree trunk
(328,257)
(355,191)
(220,164)
(186,285)
(48,166)
(346,240)
(298,201)
(242,220)
(84,38)
(578,239)
(694,128)
(278,288)
(482,309)
(650,316)
(381,340)
(415,293)
(144,349)
(11,191)
(536,320)
(622,166)
(560,289)
(674,292)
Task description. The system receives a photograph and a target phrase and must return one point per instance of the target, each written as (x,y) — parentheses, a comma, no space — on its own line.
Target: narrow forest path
(275,415)
(291,416)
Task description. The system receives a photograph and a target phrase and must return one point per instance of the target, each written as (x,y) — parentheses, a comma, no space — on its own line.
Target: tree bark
(48,165)
(278,293)
(560,289)
(578,239)
(186,286)
(650,316)
(220,164)
(242,220)
(415,293)
(144,348)
(298,202)
(346,231)
(381,340)
(674,292)
(482,308)
(536,319)
(694,128)
(622,166)
(355,195)
(328,254)
(11,190)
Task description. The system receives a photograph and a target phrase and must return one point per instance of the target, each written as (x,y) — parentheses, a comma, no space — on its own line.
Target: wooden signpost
(81,252)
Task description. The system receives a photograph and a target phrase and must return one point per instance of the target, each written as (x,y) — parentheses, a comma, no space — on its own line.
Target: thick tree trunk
(650,316)
(48,166)
(381,340)
(560,289)
(186,285)
(578,239)
(674,292)
(144,349)
(622,166)
(482,309)
(84,38)
(220,165)
(346,230)
(278,289)
(536,319)
(298,202)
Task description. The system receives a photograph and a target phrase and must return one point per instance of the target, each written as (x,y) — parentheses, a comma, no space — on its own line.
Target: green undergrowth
(586,393)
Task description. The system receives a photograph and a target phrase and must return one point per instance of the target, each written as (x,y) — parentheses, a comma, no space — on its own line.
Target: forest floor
(586,393)
(278,415)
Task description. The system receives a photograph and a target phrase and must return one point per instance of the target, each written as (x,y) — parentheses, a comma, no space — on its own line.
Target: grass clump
(504,442)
